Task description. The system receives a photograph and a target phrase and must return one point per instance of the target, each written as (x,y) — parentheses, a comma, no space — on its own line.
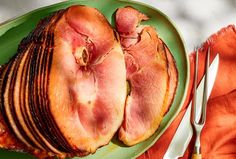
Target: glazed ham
(151,74)
(73,82)
(64,92)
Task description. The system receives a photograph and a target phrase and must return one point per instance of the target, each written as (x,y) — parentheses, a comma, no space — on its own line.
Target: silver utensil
(184,132)
(199,121)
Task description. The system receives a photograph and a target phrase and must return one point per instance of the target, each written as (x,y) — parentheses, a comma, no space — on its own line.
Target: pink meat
(151,73)
(88,79)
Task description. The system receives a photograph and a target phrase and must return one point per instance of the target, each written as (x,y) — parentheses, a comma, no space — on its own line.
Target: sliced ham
(151,74)
(64,92)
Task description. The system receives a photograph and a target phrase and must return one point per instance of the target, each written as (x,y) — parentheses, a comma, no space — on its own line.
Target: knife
(184,132)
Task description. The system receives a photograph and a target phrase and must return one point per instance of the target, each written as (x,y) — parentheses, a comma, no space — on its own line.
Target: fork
(198,123)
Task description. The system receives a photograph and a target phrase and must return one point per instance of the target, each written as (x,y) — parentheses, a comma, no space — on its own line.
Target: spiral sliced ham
(151,73)
(64,92)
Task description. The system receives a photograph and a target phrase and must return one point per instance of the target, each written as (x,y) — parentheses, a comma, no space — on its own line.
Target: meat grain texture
(152,75)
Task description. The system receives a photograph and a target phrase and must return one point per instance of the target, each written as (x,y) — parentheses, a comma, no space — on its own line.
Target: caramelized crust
(63,94)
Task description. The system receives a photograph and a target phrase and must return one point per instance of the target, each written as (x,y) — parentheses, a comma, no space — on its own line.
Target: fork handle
(196,152)
(196,156)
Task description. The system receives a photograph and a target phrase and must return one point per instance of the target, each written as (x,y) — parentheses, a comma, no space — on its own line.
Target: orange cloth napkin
(218,139)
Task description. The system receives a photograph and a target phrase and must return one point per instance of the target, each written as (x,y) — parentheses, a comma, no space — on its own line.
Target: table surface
(196,19)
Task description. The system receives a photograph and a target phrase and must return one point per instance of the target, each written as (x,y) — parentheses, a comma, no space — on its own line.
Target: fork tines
(204,101)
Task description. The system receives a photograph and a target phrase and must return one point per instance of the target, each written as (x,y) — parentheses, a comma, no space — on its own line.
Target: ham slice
(64,92)
(151,74)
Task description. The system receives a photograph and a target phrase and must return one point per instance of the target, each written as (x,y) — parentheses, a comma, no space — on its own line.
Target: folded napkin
(218,139)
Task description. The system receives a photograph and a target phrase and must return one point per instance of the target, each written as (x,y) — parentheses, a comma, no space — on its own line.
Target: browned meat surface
(64,92)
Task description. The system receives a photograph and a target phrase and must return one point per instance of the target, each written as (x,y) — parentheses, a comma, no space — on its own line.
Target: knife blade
(184,132)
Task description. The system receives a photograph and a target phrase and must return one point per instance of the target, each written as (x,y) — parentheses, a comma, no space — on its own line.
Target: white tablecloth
(195,19)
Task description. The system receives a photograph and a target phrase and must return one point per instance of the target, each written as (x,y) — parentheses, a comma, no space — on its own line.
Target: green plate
(13,31)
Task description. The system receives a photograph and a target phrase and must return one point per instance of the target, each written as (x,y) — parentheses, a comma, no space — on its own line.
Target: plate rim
(12,22)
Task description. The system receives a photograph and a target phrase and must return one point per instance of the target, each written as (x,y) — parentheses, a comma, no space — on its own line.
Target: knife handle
(196,156)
